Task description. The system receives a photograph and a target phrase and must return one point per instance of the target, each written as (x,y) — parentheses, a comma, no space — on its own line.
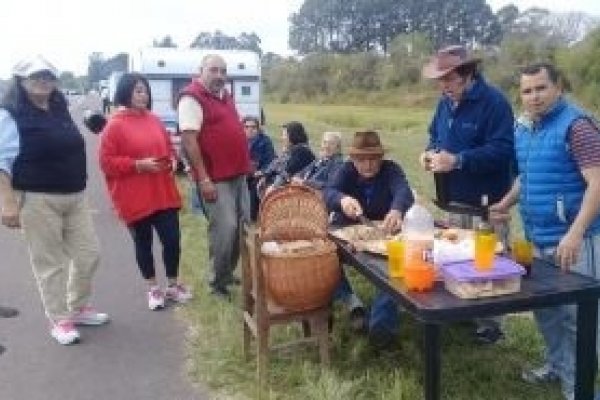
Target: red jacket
(128,136)
(222,141)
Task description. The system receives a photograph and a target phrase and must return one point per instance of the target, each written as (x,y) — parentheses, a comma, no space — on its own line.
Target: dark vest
(51,156)
(222,141)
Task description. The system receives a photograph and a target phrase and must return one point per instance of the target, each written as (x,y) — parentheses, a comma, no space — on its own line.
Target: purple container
(464,271)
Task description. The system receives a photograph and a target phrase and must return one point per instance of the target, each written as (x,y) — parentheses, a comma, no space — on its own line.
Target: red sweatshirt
(128,136)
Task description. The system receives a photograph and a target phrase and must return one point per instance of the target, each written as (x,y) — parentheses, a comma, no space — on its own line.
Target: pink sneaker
(178,293)
(64,332)
(88,315)
(156,298)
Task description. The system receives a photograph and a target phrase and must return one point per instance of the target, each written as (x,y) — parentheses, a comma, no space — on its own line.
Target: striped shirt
(584,142)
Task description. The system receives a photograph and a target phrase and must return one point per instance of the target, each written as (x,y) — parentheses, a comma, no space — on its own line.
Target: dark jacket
(480,131)
(388,190)
(289,163)
(261,151)
(317,173)
(51,157)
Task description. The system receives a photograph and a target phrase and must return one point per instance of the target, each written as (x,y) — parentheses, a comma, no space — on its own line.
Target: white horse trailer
(170,69)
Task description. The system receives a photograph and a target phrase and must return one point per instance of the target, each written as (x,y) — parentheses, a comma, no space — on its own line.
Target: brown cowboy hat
(447,60)
(366,143)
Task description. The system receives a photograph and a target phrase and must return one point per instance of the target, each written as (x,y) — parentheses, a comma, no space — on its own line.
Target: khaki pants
(63,249)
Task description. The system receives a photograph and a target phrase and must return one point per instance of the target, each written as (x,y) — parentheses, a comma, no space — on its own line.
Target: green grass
(469,371)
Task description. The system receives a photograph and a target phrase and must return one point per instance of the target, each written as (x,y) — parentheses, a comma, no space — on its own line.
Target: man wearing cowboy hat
(368,185)
(471,146)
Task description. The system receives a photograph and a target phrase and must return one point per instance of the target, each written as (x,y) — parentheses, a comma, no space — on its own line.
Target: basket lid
(464,271)
(293,212)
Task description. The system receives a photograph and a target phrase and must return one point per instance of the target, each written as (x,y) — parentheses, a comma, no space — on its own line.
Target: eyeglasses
(214,70)
(250,126)
(45,76)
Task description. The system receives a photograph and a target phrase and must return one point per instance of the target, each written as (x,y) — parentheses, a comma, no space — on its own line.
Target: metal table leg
(586,365)
(432,361)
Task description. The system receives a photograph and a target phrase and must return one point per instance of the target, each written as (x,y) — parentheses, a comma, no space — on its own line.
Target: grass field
(469,371)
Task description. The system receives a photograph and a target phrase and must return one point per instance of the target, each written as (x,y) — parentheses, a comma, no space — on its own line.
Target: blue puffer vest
(552,186)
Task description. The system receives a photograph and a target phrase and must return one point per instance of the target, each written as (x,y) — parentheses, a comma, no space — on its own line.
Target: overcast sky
(67,31)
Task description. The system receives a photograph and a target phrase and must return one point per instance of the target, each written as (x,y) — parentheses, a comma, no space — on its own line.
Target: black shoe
(235,281)
(358,319)
(488,334)
(7,312)
(221,293)
(381,339)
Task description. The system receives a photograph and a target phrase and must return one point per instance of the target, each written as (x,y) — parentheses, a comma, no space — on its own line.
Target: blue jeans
(384,319)
(558,325)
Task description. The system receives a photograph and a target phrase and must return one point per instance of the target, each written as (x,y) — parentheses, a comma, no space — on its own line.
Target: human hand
(11,214)
(567,251)
(150,165)
(351,207)
(499,213)
(425,160)
(442,161)
(207,191)
(392,221)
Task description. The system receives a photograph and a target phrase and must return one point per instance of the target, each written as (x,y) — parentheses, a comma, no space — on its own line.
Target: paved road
(139,355)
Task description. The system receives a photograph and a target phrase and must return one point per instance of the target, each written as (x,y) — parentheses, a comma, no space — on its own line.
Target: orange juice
(395,253)
(485,250)
(522,253)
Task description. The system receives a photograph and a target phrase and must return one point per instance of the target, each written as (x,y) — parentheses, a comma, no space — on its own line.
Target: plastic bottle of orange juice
(417,231)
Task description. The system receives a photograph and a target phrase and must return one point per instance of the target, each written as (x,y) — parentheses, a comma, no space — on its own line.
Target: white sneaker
(64,332)
(156,298)
(178,293)
(88,315)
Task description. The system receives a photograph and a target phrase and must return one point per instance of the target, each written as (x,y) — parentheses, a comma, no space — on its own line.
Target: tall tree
(364,25)
(167,41)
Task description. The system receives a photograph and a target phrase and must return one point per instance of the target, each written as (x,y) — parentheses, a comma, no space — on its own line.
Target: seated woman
(317,173)
(262,154)
(295,155)
(376,188)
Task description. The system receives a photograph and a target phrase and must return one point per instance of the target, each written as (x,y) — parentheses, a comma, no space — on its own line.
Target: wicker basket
(298,282)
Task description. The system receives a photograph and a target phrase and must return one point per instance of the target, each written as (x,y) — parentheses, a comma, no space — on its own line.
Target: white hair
(336,138)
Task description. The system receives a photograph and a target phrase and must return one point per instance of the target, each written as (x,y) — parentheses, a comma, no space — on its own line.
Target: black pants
(166,224)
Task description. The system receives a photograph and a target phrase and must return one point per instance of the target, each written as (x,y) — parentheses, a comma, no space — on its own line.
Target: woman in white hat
(42,183)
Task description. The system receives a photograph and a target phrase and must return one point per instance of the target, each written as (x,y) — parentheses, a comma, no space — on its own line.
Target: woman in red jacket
(137,161)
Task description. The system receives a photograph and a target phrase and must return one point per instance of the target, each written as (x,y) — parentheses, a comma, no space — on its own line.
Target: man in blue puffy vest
(558,191)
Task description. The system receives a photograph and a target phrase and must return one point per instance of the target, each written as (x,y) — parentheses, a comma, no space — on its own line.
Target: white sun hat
(33,64)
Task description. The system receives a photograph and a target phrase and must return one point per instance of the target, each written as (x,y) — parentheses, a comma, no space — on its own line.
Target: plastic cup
(485,250)
(522,253)
(395,253)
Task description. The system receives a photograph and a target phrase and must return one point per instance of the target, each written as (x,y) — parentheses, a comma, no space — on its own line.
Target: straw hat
(366,143)
(447,60)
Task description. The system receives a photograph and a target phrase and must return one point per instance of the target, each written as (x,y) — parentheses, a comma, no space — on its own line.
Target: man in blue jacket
(471,143)
(558,191)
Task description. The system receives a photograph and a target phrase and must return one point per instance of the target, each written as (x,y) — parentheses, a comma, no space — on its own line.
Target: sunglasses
(46,76)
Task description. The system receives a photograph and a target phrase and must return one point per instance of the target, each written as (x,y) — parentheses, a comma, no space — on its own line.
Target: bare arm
(568,248)
(9,202)
(205,185)
(500,212)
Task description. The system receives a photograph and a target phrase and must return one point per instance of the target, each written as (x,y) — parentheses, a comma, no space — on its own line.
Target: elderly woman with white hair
(42,189)
(317,173)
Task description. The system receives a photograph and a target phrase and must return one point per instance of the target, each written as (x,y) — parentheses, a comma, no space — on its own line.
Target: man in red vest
(215,143)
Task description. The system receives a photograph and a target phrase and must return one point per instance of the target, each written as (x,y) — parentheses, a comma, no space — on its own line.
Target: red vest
(222,140)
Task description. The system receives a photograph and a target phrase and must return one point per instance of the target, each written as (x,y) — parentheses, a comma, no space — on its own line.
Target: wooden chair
(260,313)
